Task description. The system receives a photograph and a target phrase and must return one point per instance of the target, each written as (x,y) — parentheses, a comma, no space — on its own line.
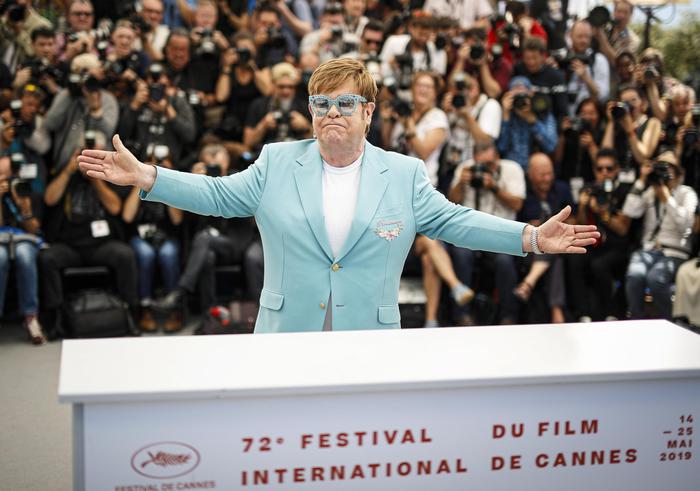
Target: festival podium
(602,406)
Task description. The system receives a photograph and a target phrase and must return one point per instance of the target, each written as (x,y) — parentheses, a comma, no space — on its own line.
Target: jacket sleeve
(438,218)
(237,195)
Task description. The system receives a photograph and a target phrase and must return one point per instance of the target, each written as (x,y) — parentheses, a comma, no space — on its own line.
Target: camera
(599,17)
(578,126)
(619,110)
(213,170)
(140,24)
(90,139)
(405,62)
(402,107)
(602,191)
(511,31)
(440,41)
(651,72)
(521,100)
(476,51)
(565,63)
(206,47)
(156,92)
(690,137)
(244,56)
(283,120)
(15,13)
(336,33)
(659,174)
(20,184)
(41,67)
(275,38)
(155,71)
(478,171)
(76,82)
(115,69)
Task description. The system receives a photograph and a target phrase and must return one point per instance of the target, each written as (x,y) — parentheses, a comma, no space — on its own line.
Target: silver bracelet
(533,241)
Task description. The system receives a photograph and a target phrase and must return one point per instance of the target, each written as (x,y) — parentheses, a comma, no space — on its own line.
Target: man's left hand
(556,237)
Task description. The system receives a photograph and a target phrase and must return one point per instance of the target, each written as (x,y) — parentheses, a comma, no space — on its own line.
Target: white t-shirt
(487,113)
(340,186)
(466,11)
(396,45)
(433,118)
(510,178)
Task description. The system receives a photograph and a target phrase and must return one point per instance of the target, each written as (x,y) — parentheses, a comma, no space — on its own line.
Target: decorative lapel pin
(388,230)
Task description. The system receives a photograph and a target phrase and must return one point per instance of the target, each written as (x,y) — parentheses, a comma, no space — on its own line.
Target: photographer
(629,128)
(43,69)
(154,232)
(511,30)
(617,37)
(84,229)
(495,186)
(473,117)
(526,127)
(681,99)
(329,41)
(591,276)
(216,241)
(158,114)
(240,83)
(152,32)
(20,240)
(649,76)
(233,17)
(420,131)
(281,116)
(355,19)
(578,144)
(207,46)
(623,74)
(17,21)
(82,106)
(124,65)
(493,71)
(79,37)
(404,54)
(588,72)
(668,210)
(270,42)
(545,79)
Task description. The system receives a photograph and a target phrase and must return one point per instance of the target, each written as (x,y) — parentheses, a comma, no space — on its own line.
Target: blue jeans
(168,259)
(26,271)
(654,270)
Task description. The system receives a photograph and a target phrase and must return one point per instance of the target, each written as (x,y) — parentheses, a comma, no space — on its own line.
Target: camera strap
(660,213)
(428,59)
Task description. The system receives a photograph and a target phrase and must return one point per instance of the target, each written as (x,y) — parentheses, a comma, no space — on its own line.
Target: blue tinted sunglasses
(345,103)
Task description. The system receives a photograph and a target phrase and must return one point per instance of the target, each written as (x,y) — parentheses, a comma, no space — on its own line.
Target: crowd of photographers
(517,109)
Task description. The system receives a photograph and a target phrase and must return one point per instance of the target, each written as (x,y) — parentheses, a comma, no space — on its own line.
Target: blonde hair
(282,70)
(333,73)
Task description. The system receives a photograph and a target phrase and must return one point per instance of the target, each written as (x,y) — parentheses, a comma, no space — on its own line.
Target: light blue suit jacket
(282,189)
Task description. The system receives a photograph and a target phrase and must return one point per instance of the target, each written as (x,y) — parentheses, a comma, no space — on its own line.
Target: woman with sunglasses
(337,215)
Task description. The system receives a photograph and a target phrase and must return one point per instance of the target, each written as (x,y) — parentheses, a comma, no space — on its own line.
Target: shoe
(173,323)
(173,300)
(462,294)
(611,318)
(585,318)
(34,329)
(431,323)
(523,291)
(147,322)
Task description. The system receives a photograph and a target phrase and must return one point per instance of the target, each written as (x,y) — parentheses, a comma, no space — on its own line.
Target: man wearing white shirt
(495,186)
(425,56)
(590,79)
(469,13)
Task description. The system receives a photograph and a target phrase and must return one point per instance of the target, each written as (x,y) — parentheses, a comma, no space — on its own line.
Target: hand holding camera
(141,95)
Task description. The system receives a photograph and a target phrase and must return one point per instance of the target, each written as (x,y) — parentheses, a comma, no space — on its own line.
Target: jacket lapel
(308,177)
(372,187)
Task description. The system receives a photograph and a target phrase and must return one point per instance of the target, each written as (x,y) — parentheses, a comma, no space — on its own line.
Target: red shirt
(535,30)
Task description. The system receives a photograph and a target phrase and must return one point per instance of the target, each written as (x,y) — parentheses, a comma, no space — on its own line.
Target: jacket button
(322,305)
(335,267)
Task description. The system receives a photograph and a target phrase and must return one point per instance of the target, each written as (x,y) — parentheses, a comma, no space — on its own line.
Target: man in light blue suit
(337,216)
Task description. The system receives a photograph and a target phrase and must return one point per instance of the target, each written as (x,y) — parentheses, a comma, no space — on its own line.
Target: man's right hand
(120,167)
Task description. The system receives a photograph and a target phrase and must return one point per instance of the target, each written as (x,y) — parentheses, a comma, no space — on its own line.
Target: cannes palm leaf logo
(165,459)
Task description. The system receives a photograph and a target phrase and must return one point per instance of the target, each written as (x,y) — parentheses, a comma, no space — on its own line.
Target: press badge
(146,230)
(28,171)
(627,176)
(576,184)
(100,228)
